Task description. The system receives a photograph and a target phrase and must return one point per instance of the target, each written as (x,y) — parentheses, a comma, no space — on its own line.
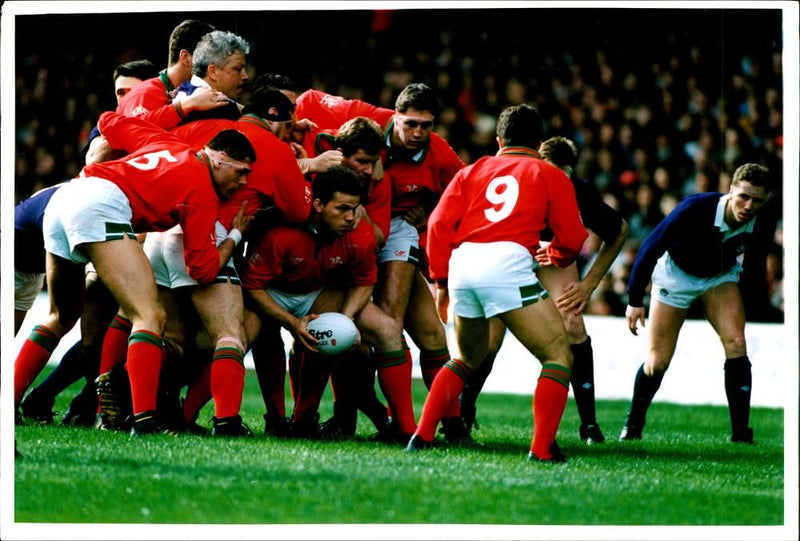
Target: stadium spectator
(693,255)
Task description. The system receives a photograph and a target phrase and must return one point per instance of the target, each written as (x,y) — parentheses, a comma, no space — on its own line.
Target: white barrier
(695,377)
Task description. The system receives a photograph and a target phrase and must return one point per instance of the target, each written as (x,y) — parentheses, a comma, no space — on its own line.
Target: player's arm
(355,300)
(564,221)
(267,307)
(131,133)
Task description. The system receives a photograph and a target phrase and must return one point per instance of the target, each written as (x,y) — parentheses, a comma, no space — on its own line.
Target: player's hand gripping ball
(336,333)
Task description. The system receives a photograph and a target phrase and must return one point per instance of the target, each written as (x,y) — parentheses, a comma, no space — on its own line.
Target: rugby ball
(336,333)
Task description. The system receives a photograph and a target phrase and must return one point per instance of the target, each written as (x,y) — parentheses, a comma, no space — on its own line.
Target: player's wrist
(235,235)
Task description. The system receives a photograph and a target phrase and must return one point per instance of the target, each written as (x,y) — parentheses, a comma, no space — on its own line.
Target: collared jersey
(228,111)
(697,239)
(420,179)
(167,183)
(508,197)
(296,259)
(275,180)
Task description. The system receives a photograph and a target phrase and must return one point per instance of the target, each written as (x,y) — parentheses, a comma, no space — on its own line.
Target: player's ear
(317,204)
(185,58)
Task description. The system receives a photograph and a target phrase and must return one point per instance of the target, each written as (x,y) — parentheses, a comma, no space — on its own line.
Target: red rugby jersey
(296,260)
(275,179)
(167,183)
(508,197)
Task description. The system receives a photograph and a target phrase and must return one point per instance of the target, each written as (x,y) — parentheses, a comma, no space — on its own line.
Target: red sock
(227,381)
(313,377)
(394,378)
(445,389)
(431,361)
(33,355)
(115,344)
(549,401)
(197,395)
(145,356)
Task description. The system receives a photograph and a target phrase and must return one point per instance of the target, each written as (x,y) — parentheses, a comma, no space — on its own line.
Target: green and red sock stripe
(145,336)
(386,359)
(433,358)
(555,372)
(44,337)
(232,353)
(461,369)
(122,323)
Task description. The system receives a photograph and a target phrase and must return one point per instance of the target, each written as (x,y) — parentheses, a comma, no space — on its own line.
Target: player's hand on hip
(634,315)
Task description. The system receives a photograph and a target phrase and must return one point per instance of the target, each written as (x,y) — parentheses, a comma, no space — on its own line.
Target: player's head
(336,195)
(416,108)
(561,152)
(231,154)
(272,105)
(128,75)
(185,37)
(220,58)
(291,90)
(360,139)
(750,187)
(520,126)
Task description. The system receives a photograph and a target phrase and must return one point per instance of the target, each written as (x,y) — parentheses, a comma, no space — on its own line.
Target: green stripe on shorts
(119,231)
(532,293)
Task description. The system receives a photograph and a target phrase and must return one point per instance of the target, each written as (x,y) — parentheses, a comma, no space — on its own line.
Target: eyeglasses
(414,124)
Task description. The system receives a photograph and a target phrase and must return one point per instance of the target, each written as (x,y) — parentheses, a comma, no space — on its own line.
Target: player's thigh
(394,288)
(65,292)
(378,329)
(329,300)
(725,311)
(472,337)
(98,310)
(664,324)
(124,269)
(497,334)
(555,280)
(539,328)
(421,319)
(220,306)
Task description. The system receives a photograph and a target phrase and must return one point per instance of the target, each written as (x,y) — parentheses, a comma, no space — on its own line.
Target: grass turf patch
(684,472)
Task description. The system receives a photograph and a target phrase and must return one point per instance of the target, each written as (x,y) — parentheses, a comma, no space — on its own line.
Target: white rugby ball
(336,333)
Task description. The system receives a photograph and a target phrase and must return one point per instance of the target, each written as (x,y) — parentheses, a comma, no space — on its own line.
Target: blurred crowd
(654,121)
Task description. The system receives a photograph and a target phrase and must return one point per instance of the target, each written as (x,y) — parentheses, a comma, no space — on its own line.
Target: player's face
(362,163)
(412,129)
(124,84)
(230,78)
(339,213)
(229,174)
(745,202)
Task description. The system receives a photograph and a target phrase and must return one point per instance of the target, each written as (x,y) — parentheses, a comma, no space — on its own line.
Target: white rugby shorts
(673,286)
(297,304)
(85,210)
(27,286)
(402,243)
(164,250)
(487,279)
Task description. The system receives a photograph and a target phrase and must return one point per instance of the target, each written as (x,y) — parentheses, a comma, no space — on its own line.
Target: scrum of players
(201,227)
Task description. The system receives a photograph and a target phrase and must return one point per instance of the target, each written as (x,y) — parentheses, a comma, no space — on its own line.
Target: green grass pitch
(683,473)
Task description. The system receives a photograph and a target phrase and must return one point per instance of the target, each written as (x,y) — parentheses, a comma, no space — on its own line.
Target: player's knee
(734,345)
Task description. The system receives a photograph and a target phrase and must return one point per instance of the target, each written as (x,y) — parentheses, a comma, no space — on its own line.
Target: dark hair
(277,80)
(359,133)
(520,126)
(336,179)
(755,174)
(185,36)
(141,69)
(559,150)
(417,96)
(233,143)
(264,98)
